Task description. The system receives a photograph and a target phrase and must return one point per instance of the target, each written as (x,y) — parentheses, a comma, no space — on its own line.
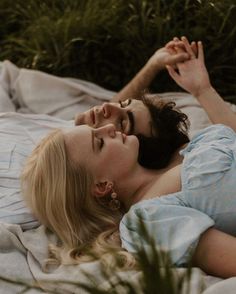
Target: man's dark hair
(170,127)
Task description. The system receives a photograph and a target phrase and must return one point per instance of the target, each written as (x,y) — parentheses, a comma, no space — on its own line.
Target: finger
(176,39)
(180,57)
(178,45)
(171,47)
(172,50)
(180,48)
(188,47)
(200,51)
(194,48)
(170,44)
(175,76)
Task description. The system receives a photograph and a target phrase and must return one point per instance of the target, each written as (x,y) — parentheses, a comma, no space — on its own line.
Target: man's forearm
(140,82)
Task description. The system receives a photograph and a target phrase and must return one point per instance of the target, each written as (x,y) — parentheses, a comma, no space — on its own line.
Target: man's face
(130,117)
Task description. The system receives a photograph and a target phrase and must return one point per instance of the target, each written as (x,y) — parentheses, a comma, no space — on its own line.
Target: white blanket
(22,253)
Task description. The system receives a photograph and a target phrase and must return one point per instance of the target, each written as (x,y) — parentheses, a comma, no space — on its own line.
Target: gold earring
(114,203)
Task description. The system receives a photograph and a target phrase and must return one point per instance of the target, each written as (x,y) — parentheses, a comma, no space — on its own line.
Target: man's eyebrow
(131,122)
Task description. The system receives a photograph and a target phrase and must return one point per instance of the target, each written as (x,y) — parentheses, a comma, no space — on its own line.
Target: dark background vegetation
(108,41)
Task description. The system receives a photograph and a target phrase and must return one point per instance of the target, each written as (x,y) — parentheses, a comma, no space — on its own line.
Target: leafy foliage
(108,41)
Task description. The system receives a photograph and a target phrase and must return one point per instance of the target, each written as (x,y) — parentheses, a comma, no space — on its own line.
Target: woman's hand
(192,74)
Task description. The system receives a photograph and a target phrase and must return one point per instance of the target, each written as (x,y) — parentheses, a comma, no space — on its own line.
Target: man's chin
(79,119)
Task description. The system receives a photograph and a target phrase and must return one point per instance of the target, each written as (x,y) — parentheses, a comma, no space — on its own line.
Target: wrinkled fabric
(19,135)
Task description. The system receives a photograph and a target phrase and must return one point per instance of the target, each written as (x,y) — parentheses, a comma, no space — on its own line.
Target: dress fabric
(207,198)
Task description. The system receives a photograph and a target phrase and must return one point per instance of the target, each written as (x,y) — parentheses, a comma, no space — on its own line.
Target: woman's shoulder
(217,133)
(214,131)
(208,157)
(149,208)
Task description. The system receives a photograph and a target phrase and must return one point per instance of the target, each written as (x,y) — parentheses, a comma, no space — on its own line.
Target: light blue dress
(207,199)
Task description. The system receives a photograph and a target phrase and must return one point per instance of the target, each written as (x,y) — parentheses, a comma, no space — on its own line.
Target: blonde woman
(87,186)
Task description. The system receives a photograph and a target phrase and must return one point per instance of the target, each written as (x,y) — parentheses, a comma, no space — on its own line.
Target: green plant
(108,41)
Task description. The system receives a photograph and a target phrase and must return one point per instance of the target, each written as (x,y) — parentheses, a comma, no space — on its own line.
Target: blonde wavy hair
(59,194)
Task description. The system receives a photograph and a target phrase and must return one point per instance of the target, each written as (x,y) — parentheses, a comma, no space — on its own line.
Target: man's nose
(110,109)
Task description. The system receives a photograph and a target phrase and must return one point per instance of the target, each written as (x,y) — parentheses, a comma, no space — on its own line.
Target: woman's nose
(108,129)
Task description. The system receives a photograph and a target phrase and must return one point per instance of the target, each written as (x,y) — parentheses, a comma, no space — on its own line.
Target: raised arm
(192,76)
(143,79)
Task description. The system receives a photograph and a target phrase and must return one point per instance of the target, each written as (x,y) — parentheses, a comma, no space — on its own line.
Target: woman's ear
(102,188)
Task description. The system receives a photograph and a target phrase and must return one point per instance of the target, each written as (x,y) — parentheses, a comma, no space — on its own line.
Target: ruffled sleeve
(173,227)
(208,157)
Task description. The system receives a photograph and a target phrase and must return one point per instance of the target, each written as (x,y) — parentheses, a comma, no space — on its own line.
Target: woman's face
(107,153)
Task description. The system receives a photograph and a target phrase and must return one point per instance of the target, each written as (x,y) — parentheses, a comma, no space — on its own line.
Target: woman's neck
(136,186)
(139,183)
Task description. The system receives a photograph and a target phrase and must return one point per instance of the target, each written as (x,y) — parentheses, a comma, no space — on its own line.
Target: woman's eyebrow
(131,122)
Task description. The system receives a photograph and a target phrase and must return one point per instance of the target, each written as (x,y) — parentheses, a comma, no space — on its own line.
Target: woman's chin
(133,143)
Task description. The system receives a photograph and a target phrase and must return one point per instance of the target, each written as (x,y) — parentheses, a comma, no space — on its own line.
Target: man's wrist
(154,66)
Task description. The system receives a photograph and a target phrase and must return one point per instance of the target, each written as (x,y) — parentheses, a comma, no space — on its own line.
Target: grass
(108,41)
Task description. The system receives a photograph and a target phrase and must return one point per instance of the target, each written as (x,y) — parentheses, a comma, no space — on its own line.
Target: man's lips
(92,116)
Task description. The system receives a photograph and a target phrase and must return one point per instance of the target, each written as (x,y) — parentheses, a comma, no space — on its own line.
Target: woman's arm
(192,76)
(143,79)
(216,254)
(216,108)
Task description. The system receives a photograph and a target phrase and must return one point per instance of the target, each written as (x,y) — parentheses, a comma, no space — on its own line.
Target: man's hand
(167,55)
